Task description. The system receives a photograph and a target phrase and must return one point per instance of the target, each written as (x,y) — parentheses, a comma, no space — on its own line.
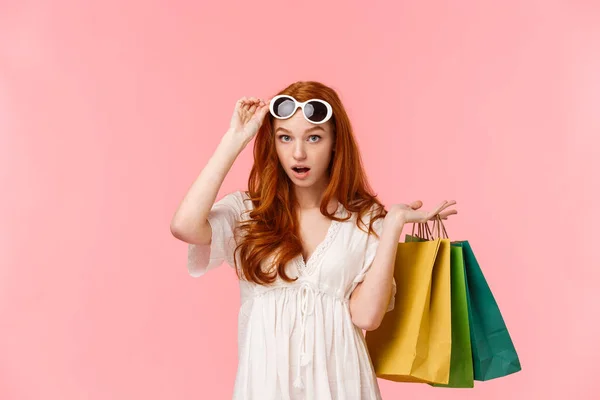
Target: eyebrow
(314,128)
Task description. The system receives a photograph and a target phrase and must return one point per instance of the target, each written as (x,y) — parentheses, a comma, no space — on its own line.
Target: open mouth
(301,170)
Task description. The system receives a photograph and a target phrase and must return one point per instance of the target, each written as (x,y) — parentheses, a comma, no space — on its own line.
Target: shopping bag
(413,342)
(461,361)
(494,354)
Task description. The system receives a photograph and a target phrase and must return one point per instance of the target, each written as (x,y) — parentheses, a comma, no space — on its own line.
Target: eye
(315,136)
(283,136)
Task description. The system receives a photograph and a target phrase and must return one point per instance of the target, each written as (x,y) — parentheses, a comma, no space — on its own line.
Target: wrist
(232,141)
(396,220)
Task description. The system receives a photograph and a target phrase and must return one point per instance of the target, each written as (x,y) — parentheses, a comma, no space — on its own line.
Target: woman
(313,248)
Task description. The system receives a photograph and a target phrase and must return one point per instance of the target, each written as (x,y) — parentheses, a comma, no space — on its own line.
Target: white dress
(297,340)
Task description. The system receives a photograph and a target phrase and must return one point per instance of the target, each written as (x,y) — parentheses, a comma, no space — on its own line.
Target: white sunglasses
(315,111)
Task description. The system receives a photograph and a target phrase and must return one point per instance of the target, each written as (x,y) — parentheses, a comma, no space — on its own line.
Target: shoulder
(372,217)
(241,196)
(376,209)
(238,201)
(375,213)
(378,214)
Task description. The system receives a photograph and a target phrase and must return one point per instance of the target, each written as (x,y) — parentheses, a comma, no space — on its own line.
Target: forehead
(297,125)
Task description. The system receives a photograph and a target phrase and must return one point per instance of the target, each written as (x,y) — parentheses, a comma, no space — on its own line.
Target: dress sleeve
(223,218)
(371,250)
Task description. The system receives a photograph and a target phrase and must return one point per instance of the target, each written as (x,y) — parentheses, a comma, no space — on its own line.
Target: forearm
(370,299)
(193,210)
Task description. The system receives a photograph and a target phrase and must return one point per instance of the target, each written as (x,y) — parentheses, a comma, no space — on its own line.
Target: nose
(299,150)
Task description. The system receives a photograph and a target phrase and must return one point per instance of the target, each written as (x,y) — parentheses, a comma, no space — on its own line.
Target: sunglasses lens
(284,107)
(315,111)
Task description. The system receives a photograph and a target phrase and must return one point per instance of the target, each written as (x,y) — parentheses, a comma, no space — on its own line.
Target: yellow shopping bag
(414,341)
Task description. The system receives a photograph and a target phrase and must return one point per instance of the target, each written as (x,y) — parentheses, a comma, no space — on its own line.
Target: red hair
(272,229)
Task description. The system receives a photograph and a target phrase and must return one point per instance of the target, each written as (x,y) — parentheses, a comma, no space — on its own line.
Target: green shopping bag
(461,361)
(494,354)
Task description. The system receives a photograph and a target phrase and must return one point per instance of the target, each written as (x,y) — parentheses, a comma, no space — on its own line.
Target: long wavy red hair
(272,228)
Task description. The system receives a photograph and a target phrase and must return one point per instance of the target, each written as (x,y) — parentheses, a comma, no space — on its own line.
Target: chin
(297,182)
(300,182)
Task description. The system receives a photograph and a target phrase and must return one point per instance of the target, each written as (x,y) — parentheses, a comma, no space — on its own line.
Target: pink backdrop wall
(109,110)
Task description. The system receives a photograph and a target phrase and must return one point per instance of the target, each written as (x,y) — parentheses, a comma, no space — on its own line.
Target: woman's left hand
(410,213)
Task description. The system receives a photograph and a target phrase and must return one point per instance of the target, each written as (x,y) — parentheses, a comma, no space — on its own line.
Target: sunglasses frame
(301,105)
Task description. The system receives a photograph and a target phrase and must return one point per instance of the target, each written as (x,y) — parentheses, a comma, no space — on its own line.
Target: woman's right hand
(247,118)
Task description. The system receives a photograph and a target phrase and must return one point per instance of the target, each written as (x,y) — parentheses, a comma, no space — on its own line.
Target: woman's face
(299,142)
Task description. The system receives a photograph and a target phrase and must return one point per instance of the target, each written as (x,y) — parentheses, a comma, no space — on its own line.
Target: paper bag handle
(439,225)
(423,231)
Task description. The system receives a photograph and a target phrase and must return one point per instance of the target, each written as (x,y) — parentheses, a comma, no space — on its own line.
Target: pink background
(109,110)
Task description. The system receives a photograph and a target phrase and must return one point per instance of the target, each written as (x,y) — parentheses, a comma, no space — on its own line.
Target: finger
(448,204)
(265,110)
(437,210)
(415,205)
(247,102)
(446,214)
(253,107)
(239,104)
(262,112)
(435,218)
(260,107)
(440,207)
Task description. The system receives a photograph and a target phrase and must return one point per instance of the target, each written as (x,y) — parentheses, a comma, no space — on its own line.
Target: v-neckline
(306,261)
(307,266)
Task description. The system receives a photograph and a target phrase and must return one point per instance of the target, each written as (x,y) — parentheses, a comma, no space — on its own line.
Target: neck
(311,197)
